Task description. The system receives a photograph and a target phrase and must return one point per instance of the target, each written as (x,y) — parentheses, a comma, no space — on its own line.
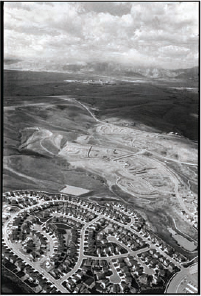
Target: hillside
(106,68)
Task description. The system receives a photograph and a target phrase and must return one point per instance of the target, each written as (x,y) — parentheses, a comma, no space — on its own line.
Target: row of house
(160,244)
(136,268)
(74,213)
(65,255)
(31,277)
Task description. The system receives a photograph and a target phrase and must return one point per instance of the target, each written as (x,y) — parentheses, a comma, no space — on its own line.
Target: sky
(157,34)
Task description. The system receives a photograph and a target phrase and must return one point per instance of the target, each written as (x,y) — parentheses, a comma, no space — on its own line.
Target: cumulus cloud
(162,34)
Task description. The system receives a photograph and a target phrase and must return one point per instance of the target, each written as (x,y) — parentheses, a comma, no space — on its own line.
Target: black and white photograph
(100,138)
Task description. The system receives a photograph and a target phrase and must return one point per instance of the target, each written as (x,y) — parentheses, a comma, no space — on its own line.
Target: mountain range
(102,68)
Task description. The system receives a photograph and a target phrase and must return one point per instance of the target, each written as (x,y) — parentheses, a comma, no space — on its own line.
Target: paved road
(176,280)
(115,276)
(152,246)
(81,251)
(34,265)
(15,275)
(137,234)
(25,259)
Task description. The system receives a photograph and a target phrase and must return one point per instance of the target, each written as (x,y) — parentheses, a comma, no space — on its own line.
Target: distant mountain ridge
(103,68)
(11,61)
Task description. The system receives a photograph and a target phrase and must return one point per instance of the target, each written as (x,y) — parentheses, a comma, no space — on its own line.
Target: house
(100,276)
(13,258)
(20,265)
(115,288)
(90,283)
(104,283)
(77,288)
(143,279)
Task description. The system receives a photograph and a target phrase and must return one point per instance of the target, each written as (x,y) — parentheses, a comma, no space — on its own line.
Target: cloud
(114,8)
(164,34)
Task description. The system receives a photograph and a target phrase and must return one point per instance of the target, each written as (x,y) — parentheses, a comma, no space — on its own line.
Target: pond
(182,241)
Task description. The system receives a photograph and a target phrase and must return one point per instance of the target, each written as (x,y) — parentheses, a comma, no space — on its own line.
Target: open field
(113,140)
(74,190)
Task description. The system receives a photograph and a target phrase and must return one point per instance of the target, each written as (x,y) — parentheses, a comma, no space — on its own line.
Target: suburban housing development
(59,243)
